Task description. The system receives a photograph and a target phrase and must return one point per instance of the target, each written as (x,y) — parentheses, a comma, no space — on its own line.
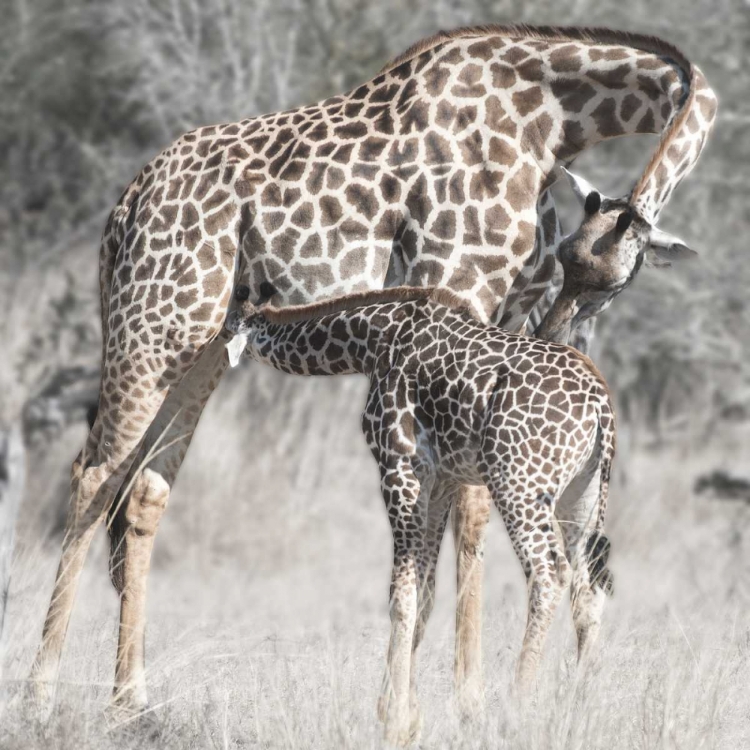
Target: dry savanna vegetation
(268,612)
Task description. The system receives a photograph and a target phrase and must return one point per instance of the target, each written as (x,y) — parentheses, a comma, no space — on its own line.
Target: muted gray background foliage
(278,492)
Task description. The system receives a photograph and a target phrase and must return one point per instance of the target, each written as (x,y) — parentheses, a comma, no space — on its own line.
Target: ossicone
(593,202)
(624,220)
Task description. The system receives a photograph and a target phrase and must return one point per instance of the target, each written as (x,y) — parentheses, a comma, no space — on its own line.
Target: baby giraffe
(452,402)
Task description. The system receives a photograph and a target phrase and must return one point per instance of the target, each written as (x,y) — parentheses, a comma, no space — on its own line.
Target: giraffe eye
(593,202)
(624,220)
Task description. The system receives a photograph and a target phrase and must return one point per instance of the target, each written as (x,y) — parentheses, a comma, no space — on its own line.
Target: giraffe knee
(147,502)
(89,495)
(563,570)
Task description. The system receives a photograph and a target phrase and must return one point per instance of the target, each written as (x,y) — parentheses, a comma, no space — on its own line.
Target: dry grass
(268,618)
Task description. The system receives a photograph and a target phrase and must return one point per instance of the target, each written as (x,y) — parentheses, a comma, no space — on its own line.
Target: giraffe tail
(117,525)
(597,554)
(112,241)
(598,546)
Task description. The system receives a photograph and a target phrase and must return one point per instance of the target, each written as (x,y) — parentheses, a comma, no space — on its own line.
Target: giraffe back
(476,394)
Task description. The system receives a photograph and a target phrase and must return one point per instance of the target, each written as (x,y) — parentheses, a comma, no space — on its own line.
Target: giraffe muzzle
(236,347)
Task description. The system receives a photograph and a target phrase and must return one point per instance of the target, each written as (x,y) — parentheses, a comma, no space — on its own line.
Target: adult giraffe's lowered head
(604,254)
(433,173)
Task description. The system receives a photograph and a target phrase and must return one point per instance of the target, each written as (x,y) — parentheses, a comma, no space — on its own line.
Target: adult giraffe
(429,174)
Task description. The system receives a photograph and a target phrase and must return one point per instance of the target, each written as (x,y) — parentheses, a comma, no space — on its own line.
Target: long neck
(338,343)
(557,323)
(678,151)
(608,91)
(554,91)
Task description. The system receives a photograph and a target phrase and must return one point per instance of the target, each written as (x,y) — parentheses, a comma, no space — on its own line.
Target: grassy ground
(268,619)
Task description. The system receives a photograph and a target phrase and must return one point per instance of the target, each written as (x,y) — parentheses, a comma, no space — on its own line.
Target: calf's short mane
(357,300)
(298,313)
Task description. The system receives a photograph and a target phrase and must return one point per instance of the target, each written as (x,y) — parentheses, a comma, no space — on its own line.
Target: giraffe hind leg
(437,519)
(531,525)
(134,387)
(96,476)
(135,523)
(406,499)
(116,523)
(471,514)
(587,550)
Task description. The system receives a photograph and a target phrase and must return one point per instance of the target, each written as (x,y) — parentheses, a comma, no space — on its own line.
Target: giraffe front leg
(471,513)
(134,524)
(406,501)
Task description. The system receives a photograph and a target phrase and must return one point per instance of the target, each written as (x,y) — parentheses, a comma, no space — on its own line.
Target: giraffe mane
(299,313)
(589,34)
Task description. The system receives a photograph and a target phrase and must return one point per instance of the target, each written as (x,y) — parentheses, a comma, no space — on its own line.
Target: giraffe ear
(593,202)
(588,196)
(666,247)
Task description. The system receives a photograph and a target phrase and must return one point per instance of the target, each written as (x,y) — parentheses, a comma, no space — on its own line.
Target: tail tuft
(597,554)
(117,525)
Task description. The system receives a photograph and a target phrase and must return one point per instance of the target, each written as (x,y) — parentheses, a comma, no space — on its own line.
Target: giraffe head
(602,257)
(242,320)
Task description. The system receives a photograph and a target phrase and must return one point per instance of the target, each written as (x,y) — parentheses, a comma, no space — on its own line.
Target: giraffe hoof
(400,727)
(398,736)
(41,694)
(470,701)
(524,689)
(382,709)
(35,697)
(415,724)
(133,719)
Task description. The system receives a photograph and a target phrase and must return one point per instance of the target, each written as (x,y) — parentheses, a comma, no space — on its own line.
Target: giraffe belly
(301,280)
(456,460)
(327,258)
(446,465)
(462,472)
